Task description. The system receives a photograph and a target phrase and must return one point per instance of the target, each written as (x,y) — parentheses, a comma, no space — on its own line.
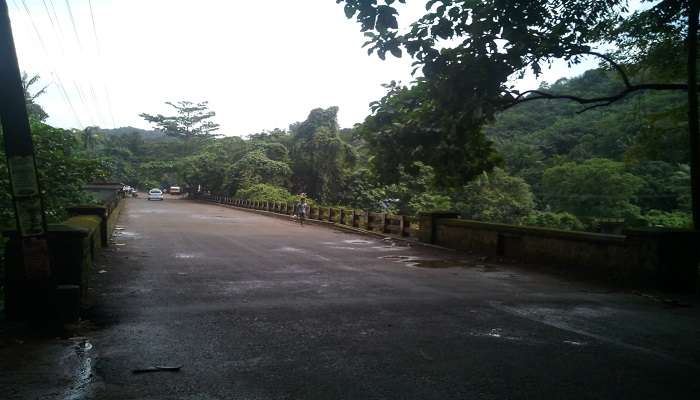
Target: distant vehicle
(155,194)
(175,190)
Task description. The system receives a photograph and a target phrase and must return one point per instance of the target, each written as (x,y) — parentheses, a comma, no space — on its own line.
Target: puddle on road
(83,375)
(390,248)
(413,261)
(358,241)
(127,234)
(290,249)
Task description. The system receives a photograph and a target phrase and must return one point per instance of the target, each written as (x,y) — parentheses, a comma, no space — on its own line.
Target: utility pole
(693,123)
(19,149)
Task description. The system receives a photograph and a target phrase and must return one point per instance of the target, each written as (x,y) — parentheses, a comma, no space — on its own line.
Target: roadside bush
(63,170)
(496,197)
(266,192)
(548,219)
(665,219)
(429,202)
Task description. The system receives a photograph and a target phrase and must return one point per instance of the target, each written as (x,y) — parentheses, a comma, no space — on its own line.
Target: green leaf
(349,11)
(396,52)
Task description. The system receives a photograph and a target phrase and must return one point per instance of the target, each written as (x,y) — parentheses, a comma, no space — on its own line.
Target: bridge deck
(258,307)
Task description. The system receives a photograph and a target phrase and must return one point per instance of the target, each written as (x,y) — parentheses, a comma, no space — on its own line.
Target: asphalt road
(256,307)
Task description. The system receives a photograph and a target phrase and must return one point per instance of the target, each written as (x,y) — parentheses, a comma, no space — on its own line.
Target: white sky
(261,64)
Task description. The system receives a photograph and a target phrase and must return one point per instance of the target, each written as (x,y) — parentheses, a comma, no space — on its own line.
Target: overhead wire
(94,99)
(99,55)
(46,53)
(53,25)
(83,99)
(55,16)
(85,96)
(59,36)
(62,90)
(75,27)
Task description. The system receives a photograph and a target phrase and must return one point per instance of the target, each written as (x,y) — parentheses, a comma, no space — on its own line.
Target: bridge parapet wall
(73,246)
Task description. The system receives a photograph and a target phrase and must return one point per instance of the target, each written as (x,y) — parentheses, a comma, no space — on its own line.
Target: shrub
(548,219)
(665,219)
(266,192)
(496,197)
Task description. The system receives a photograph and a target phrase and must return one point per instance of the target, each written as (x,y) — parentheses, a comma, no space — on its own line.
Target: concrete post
(402,224)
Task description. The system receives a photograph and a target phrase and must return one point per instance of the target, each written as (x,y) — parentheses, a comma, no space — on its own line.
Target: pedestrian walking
(301,210)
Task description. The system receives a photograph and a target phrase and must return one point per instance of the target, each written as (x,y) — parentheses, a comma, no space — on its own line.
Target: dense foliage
(469,53)
(461,137)
(540,163)
(63,160)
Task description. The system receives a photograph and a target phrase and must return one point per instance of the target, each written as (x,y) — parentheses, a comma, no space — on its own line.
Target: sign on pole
(21,163)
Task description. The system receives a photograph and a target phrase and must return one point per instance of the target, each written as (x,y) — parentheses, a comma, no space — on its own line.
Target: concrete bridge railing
(661,258)
(73,246)
(398,225)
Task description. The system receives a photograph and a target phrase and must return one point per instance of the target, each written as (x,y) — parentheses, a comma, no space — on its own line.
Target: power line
(46,7)
(75,28)
(95,99)
(96,116)
(62,90)
(99,54)
(36,30)
(48,58)
(109,107)
(54,19)
(55,16)
(94,27)
(83,100)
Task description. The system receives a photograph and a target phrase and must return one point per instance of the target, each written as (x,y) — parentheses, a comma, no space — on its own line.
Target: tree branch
(531,95)
(615,65)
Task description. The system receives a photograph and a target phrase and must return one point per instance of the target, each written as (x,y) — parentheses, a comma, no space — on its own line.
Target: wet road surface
(255,307)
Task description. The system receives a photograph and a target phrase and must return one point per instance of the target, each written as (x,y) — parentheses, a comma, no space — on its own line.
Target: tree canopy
(191,121)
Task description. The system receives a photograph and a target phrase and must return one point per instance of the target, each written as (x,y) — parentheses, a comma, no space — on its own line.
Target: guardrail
(398,225)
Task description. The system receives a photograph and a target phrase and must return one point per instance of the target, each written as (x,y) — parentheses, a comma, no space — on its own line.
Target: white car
(155,194)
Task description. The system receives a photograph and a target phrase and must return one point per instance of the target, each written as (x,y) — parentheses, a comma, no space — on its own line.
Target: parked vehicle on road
(155,194)
(175,190)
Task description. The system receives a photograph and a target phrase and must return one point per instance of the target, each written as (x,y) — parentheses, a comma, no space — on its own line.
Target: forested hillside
(542,163)
(626,161)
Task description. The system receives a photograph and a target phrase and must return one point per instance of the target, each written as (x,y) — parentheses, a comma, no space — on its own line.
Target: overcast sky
(261,64)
